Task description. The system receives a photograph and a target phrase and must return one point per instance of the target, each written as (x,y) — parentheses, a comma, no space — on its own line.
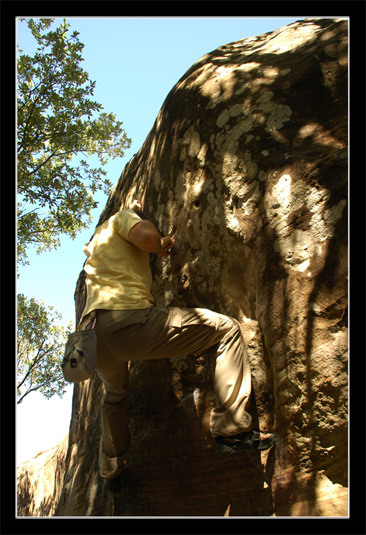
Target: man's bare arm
(145,237)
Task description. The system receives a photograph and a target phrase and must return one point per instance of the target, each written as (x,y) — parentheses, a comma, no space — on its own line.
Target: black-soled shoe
(115,484)
(251,440)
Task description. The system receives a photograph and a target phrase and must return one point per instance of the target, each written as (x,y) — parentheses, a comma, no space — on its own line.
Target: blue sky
(135,63)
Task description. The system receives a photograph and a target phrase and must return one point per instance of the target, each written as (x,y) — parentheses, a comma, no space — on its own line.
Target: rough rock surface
(247,161)
(40,481)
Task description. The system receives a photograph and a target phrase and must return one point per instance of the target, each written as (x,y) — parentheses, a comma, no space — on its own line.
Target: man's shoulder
(124,220)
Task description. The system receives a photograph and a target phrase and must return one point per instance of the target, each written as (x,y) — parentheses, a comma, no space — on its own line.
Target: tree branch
(35,361)
(54,153)
(29,98)
(21,144)
(29,390)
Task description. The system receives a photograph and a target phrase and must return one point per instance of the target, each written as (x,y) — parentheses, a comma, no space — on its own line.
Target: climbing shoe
(251,440)
(115,485)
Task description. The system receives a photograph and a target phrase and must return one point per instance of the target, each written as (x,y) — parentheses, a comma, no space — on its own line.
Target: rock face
(247,162)
(40,482)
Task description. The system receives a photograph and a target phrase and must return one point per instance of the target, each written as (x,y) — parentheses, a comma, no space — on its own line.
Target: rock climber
(129,326)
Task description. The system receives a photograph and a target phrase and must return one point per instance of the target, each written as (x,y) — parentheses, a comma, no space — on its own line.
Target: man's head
(136,206)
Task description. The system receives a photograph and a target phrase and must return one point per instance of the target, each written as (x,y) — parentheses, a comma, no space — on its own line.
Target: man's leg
(174,332)
(232,381)
(115,438)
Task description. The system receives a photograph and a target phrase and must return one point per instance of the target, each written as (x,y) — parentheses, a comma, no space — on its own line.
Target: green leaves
(40,347)
(64,142)
(59,128)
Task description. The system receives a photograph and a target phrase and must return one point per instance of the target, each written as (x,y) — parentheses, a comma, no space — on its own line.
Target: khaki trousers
(155,333)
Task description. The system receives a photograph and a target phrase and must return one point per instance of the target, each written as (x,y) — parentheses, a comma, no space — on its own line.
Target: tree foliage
(59,128)
(64,140)
(40,348)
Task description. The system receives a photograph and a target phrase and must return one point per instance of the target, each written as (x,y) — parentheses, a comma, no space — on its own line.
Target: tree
(40,347)
(59,126)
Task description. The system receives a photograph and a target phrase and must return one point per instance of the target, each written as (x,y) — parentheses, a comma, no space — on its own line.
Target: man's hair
(142,215)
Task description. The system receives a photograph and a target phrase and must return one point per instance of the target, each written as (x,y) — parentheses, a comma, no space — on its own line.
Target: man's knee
(113,397)
(227,323)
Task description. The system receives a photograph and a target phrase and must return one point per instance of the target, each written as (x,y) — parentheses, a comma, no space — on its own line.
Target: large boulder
(247,162)
(40,481)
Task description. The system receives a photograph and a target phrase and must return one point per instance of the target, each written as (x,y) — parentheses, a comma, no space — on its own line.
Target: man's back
(118,272)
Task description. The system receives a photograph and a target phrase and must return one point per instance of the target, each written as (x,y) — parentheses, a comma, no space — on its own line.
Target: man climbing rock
(130,326)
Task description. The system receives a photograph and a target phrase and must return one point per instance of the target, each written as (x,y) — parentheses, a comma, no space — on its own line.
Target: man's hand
(167,244)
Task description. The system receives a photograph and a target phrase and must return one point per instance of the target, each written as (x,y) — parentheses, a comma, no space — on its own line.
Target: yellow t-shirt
(118,273)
